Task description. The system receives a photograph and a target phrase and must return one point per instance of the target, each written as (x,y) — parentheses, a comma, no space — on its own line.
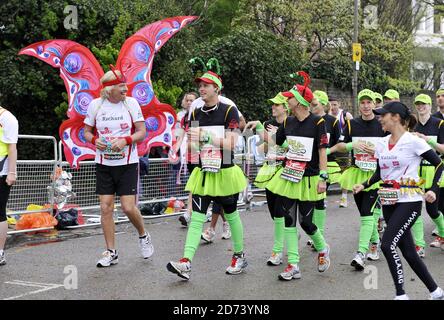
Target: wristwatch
(323,176)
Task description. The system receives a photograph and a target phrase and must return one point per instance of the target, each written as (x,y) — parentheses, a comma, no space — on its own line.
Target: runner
(120,125)
(379,100)
(360,137)
(8,170)
(319,107)
(398,159)
(391,95)
(303,180)
(342,116)
(431,129)
(275,155)
(216,179)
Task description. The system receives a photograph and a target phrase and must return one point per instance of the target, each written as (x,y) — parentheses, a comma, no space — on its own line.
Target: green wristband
(349,146)
(328,151)
(285,144)
(260,127)
(322,172)
(432,143)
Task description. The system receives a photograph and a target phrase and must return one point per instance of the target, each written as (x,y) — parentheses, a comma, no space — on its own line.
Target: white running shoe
(226,234)
(275,259)
(146,246)
(182,268)
(238,264)
(185,219)
(209,216)
(438,294)
(435,232)
(108,259)
(402,297)
(310,243)
(438,243)
(373,255)
(208,235)
(291,272)
(358,261)
(324,259)
(2,259)
(343,203)
(420,251)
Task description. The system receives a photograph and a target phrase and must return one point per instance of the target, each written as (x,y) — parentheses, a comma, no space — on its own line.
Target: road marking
(44,287)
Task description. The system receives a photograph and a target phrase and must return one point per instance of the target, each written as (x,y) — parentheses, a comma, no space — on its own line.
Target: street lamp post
(355,63)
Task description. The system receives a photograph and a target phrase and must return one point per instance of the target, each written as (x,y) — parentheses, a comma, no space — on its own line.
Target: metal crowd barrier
(33,178)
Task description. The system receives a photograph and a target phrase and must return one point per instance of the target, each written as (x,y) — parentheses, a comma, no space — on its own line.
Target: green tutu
(427,173)
(304,190)
(226,182)
(334,172)
(354,175)
(265,174)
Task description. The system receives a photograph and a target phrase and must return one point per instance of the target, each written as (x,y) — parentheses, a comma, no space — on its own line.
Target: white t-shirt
(8,135)
(113,120)
(402,161)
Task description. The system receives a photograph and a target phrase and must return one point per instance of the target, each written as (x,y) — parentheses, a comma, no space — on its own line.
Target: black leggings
(441,200)
(320,204)
(432,208)
(288,208)
(228,203)
(400,218)
(365,201)
(271,201)
(4,196)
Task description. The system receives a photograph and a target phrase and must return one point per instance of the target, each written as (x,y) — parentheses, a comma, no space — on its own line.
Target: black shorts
(120,180)
(4,195)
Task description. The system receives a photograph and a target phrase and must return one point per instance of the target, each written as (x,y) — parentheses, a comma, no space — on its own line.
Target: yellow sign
(357,52)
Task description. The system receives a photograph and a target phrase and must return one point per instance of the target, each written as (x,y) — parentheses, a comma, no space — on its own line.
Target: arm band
(129,140)
(432,143)
(328,151)
(260,127)
(285,144)
(349,146)
(322,172)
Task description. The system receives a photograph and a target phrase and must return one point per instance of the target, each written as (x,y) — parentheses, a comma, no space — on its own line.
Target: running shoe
(343,203)
(381,225)
(184,219)
(291,272)
(324,259)
(358,261)
(108,259)
(238,264)
(208,235)
(438,294)
(420,251)
(402,297)
(146,246)
(182,268)
(226,234)
(2,259)
(310,243)
(438,243)
(373,255)
(275,259)
(435,232)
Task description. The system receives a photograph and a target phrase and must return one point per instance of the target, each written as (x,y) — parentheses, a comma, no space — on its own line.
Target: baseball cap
(366,93)
(391,94)
(321,96)
(378,96)
(440,91)
(279,99)
(210,77)
(423,98)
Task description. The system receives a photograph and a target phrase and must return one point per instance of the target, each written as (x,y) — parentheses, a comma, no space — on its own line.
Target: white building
(429,39)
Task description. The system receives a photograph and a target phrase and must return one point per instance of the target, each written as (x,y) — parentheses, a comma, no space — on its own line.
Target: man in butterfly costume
(109,114)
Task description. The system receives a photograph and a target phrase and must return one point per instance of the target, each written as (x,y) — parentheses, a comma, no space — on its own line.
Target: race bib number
(364,160)
(388,196)
(110,154)
(293,171)
(300,148)
(211,159)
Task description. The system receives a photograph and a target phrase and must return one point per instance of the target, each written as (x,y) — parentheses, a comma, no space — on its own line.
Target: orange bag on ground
(35,220)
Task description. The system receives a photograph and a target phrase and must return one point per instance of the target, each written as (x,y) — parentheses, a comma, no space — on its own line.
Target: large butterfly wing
(81,74)
(136,62)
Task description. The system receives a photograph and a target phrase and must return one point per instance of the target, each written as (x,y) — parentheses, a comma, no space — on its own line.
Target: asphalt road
(64,267)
